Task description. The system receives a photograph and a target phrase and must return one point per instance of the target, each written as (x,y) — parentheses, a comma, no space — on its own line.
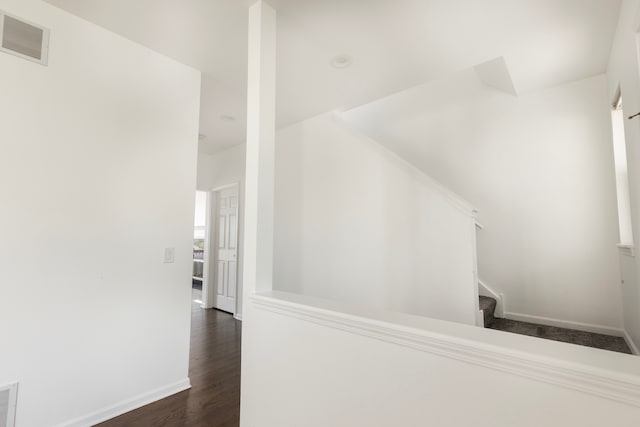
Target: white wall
(220,169)
(357,224)
(199,219)
(539,168)
(624,72)
(97,177)
(330,376)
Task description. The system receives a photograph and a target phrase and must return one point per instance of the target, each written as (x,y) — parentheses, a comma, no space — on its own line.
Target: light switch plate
(169,255)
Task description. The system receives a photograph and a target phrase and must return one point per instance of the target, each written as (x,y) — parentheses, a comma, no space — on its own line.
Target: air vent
(24,39)
(8,399)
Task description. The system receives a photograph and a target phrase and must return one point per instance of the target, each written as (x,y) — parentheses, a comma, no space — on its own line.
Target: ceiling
(394,45)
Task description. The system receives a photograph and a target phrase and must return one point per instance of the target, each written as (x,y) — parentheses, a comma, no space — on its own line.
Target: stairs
(488,307)
(589,339)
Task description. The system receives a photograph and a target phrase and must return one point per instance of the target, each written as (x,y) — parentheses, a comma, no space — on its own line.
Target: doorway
(199,243)
(221,283)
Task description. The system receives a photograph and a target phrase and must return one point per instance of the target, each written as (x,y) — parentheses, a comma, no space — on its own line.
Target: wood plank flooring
(214,370)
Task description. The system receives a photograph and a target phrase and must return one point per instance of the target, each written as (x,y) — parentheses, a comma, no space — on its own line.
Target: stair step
(488,307)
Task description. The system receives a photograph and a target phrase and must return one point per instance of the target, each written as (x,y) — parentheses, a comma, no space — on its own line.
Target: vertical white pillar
(259,183)
(261,114)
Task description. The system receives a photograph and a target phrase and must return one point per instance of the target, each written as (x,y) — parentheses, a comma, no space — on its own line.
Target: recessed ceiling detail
(341,61)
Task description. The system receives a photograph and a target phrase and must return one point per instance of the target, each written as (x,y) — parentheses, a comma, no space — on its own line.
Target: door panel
(222,232)
(233,232)
(227,250)
(221,284)
(231,281)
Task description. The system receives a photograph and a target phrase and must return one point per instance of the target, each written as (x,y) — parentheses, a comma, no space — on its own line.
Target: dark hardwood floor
(214,370)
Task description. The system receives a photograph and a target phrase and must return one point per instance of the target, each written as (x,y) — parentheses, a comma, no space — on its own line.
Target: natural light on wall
(622,178)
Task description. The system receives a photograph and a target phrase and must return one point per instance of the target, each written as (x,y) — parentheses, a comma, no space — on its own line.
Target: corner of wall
(632,345)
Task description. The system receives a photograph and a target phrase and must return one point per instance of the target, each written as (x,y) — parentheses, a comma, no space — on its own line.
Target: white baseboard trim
(631,344)
(127,405)
(578,326)
(238,316)
(480,318)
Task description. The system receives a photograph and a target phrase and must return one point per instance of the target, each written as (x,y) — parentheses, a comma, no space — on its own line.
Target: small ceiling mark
(341,61)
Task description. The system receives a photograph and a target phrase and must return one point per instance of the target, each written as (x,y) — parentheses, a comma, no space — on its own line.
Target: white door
(227,250)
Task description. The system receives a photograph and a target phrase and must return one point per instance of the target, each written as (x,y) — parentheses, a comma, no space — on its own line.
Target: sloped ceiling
(394,44)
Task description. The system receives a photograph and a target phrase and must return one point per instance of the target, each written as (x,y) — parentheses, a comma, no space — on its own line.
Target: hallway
(214,370)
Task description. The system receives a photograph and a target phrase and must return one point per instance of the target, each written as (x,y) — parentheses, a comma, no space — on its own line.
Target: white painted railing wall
(315,363)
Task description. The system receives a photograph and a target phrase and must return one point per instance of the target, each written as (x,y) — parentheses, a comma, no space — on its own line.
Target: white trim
(238,316)
(226,186)
(578,326)
(628,250)
(618,386)
(206,255)
(128,405)
(479,321)
(631,344)
(480,318)
(12,388)
(486,291)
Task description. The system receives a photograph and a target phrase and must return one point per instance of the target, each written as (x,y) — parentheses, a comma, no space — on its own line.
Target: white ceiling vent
(8,400)
(24,39)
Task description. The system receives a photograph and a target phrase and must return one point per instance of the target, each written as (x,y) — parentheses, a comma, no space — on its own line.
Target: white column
(259,183)
(261,103)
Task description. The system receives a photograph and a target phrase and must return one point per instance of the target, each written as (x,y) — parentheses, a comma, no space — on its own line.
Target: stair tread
(487,303)
(488,307)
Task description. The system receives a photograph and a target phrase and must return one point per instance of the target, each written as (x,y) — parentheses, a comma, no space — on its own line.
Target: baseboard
(578,326)
(631,344)
(238,316)
(128,405)
(480,318)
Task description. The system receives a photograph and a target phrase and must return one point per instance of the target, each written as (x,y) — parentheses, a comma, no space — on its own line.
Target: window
(622,176)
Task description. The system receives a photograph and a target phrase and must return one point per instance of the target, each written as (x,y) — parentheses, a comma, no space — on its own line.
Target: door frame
(210,267)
